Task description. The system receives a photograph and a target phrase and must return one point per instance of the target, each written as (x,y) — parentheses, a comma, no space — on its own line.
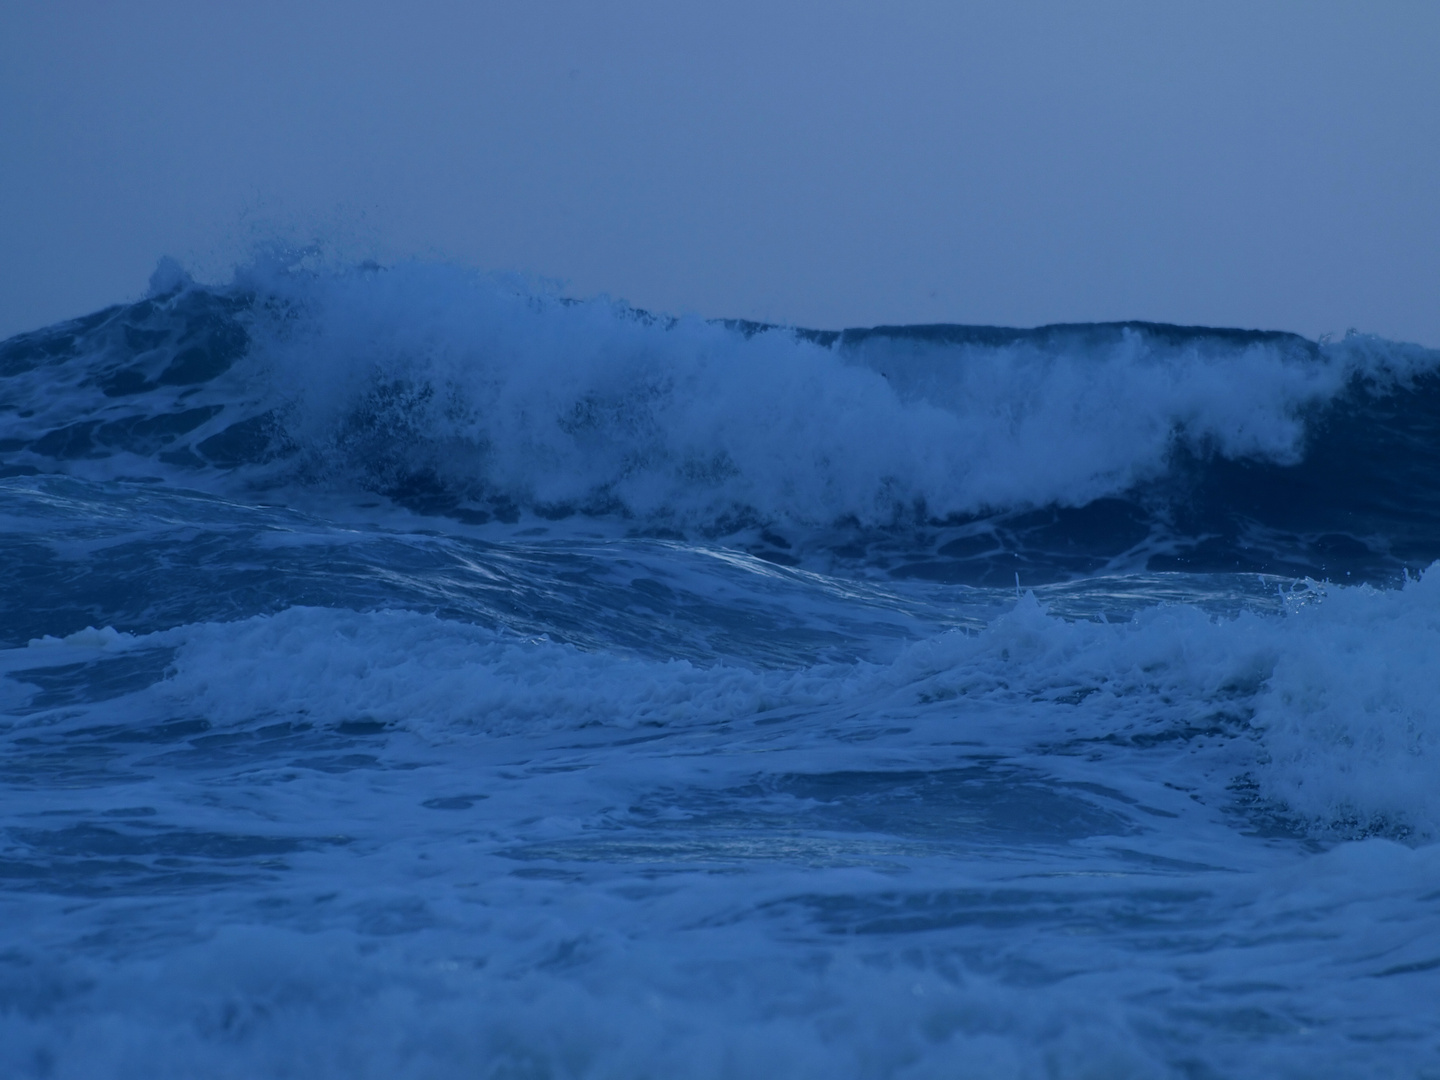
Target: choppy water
(406,675)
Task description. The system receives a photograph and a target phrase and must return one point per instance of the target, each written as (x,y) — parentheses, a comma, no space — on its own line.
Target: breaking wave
(454,393)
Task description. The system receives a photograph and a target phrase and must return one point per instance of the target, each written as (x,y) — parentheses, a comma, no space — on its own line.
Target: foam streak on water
(406,676)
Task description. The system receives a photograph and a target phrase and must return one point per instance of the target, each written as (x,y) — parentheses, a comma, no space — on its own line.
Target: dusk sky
(1260,164)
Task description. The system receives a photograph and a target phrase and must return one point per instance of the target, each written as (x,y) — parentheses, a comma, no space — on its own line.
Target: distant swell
(960,453)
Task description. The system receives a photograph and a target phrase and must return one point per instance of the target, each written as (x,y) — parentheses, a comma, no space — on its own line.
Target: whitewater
(406,672)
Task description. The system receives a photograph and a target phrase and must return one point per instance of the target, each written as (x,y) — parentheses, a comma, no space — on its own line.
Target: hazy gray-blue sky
(1251,163)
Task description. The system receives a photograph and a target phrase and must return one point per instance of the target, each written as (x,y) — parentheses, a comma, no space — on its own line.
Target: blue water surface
(404,676)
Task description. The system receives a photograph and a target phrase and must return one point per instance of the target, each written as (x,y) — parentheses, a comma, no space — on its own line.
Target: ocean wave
(1325,710)
(454,392)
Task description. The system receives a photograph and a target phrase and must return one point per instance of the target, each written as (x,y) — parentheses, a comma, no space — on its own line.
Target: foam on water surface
(403,674)
(1057,451)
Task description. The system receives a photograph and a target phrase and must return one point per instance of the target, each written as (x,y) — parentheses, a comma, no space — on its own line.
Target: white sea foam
(503,391)
(1338,691)
(442,679)
(1351,713)
(565,926)
(500,392)
(258,1002)
(741,820)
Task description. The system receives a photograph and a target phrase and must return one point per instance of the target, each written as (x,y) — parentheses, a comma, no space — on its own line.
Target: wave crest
(452,391)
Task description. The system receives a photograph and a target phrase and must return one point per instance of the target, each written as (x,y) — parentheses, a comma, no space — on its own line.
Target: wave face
(974,452)
(407,673)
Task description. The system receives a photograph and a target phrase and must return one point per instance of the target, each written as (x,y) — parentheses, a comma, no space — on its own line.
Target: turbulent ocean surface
(405,673)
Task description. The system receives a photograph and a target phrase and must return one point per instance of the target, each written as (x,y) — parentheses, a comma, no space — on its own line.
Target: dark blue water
(402,675)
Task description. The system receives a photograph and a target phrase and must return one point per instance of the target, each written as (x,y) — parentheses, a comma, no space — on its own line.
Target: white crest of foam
(505,391)
(1331,704)
(443,679)
(1340,691)
(1351,715)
